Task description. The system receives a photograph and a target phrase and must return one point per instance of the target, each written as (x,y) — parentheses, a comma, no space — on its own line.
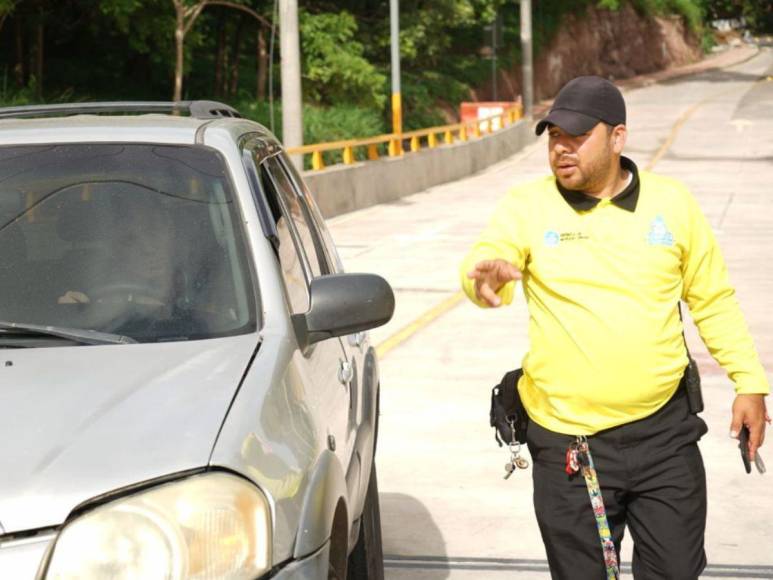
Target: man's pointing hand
(490,276)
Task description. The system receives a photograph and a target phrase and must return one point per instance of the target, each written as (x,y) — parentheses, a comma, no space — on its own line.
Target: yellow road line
(674,131)
(422,321)
(684,118)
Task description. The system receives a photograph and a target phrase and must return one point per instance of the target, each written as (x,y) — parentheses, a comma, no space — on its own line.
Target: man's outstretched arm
(497,259)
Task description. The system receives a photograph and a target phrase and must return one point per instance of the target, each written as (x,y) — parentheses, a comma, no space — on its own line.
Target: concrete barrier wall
(344,188)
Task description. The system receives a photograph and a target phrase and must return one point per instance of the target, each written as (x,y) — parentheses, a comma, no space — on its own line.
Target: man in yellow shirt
(605,253)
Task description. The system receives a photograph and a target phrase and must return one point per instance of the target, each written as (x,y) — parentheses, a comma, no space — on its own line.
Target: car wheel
(366,561)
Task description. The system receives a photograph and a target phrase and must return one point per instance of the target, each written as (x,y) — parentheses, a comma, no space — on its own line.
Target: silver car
(186,386)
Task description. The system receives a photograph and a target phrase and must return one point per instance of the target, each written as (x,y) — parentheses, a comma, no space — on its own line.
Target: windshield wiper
(82,335)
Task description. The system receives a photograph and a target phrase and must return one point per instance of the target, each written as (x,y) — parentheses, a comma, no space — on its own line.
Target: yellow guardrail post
(395,146)
(394,140)
(316,160)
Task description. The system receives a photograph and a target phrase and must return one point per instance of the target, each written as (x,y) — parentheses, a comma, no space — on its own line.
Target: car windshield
(135,240)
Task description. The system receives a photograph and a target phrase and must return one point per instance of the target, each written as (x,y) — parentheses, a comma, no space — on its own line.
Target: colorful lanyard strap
(579,458)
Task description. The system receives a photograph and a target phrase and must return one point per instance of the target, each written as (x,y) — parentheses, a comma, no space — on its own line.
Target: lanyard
(579,458)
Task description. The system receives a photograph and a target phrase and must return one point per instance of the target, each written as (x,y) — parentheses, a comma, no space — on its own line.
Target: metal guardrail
(394,141)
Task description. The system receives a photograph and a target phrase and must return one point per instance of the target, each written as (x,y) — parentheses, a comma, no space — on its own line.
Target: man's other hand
(750,410)
(490,276)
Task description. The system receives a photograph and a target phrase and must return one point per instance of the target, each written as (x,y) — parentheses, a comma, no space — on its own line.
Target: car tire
(366,561)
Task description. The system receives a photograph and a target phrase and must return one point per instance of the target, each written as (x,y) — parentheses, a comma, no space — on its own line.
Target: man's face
(584,162)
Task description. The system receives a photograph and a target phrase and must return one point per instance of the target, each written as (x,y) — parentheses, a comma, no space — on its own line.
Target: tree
(6,7)
(186,13)
(334,64)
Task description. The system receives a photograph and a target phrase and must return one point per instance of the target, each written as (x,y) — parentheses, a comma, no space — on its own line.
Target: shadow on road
(717,76)
(408,529)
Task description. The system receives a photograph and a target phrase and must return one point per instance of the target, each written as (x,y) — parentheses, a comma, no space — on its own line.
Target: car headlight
(213,525)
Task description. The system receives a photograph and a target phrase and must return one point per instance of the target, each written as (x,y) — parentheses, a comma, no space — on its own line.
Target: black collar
(626,199)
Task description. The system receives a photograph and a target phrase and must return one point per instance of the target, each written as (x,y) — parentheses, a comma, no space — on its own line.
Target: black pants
(652,479)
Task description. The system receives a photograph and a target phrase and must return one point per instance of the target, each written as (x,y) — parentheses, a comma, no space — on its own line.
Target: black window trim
(300,249)
(330,264)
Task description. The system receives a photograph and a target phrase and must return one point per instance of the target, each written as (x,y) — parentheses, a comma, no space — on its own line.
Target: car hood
(78,422)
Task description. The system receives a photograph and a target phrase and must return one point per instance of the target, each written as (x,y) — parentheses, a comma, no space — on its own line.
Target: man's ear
(619,135)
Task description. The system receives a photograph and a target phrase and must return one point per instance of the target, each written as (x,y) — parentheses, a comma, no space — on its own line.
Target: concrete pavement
(446,511)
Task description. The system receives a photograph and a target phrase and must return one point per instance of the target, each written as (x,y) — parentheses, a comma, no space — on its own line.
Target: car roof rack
(195,109)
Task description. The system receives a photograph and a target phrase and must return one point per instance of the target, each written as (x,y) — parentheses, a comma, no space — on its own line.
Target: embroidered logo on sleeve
(659,234)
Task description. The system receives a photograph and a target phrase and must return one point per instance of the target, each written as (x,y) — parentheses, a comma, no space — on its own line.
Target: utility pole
(292,110)
(395,146)
(494,47)
(526,54)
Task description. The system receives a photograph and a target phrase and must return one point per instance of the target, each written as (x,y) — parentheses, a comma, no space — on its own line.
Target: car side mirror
(341,304)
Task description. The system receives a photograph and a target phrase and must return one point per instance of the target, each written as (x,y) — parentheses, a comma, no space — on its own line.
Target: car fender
(327,487)
(367,432)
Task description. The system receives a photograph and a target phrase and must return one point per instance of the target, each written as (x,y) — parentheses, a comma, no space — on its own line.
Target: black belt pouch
(507,414)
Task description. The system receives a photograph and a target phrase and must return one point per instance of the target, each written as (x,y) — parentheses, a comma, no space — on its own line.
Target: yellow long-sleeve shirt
(602,281)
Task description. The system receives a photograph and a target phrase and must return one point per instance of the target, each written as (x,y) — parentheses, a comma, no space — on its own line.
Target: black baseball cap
(582,103)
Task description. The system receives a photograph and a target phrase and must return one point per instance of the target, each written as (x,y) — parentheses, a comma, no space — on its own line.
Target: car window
(293,262)
(299,210)
(307,199)
(132,239)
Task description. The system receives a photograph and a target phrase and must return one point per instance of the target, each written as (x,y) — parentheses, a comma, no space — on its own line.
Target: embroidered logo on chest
(659,234)
(552,238)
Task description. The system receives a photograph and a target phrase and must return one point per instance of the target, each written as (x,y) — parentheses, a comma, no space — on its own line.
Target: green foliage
(757,13)
(421,93)
(6,6)
(334,68)
(609,4)
(147,24)
(340,122)
(11,96)
(690,10)
(321,124)
(124,49)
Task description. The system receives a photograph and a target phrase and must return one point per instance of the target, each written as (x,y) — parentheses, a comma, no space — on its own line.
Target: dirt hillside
(615,45)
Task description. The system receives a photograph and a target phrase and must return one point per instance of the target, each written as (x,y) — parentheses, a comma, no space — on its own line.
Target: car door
(324,364)
(355,345)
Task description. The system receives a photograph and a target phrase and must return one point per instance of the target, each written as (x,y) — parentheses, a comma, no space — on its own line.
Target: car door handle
(357,339)
(345,373)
